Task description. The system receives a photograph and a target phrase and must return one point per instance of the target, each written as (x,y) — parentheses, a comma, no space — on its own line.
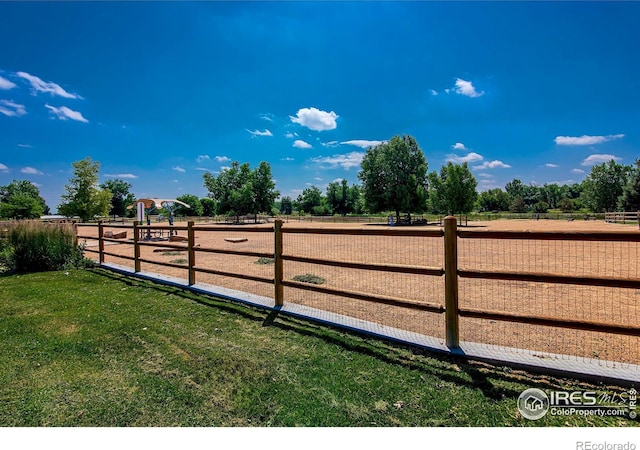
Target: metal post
(136,247)
(191,239)
(278,266)
(452,325)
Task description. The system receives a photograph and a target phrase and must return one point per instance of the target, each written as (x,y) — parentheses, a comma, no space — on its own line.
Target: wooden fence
(622,217)
(450,235)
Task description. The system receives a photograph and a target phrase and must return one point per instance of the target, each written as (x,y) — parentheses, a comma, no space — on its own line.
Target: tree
(21,199)
(195,206)
(208,206)
(121,198)
(551,195)
(394,176)
(83,197)
(453,191)
(630,198)
(265,192)
(603,186)
(515,188)
(493,200)
(286,206)
(239,190)
(311,201)
(517,205)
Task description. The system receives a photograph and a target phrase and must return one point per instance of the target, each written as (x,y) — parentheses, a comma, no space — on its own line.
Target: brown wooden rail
(622,236)
(374,298)
(233,274)
(365,231)
(584,325)
(398,268)
(627,283)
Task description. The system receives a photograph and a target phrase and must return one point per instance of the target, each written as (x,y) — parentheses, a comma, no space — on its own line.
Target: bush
(33,246)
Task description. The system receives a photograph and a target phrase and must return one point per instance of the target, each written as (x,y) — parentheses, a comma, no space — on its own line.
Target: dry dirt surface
(617,306)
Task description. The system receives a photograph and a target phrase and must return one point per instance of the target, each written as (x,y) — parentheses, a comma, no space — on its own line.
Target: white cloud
(315,119)
(318,179)
(330,144)
(362,143)
(597,159)
(25,146)
(301,144)
(586,140)
(433,92)
(577,171)
(12,109)
(346,161)
(201,158)
(120,175)
(266,117)
(179,169)
(39,85)
(223,168)
(64,113)
(6,84)
(459,146)
(259,133)
(203,169)
(291,135)
(31,171)
(222,159)
(4,168)
(288,158)
(471,157)
(551,165)
(466,88)
(492,165)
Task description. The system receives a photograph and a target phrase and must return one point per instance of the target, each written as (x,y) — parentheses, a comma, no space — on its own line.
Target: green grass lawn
(92,348)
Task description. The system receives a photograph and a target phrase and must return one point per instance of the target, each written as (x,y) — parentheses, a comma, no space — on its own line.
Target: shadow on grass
(487,378)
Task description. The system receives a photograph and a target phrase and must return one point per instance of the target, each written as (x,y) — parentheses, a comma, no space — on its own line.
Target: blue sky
(159,92)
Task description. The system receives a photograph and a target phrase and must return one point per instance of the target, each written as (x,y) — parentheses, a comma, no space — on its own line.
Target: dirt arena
(580,258)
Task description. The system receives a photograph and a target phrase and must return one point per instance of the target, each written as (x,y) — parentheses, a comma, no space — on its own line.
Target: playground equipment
(146,205)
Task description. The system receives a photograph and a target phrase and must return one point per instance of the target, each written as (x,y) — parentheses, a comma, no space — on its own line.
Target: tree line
(394,179)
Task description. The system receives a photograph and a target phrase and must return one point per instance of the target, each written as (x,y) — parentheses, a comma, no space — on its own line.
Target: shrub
(309,278)
(33,246)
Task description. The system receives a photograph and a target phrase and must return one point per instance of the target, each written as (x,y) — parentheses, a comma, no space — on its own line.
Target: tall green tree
(311,201)
(453,191)
(121,197)
(208,206)
(343,199)
(493,200)
(238,190)
(394,177)
(286,206)
(195,206)
(630,198)
(83,197)
(21,199)
(264,189)
(603,186)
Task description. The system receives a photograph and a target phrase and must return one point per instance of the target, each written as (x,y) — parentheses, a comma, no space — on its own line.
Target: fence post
(452,323)
(136,247)
(100,242)
(278,267)
(191,241)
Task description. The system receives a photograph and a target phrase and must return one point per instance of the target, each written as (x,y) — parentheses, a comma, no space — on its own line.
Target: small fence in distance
(622,217)
(542,292)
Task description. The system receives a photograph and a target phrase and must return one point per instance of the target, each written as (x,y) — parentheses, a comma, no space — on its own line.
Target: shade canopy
(162,203)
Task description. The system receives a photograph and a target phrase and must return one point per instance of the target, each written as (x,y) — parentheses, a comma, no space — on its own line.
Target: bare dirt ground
(599,304)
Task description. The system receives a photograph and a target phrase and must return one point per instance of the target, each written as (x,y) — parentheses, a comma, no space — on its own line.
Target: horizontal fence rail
(164,237)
